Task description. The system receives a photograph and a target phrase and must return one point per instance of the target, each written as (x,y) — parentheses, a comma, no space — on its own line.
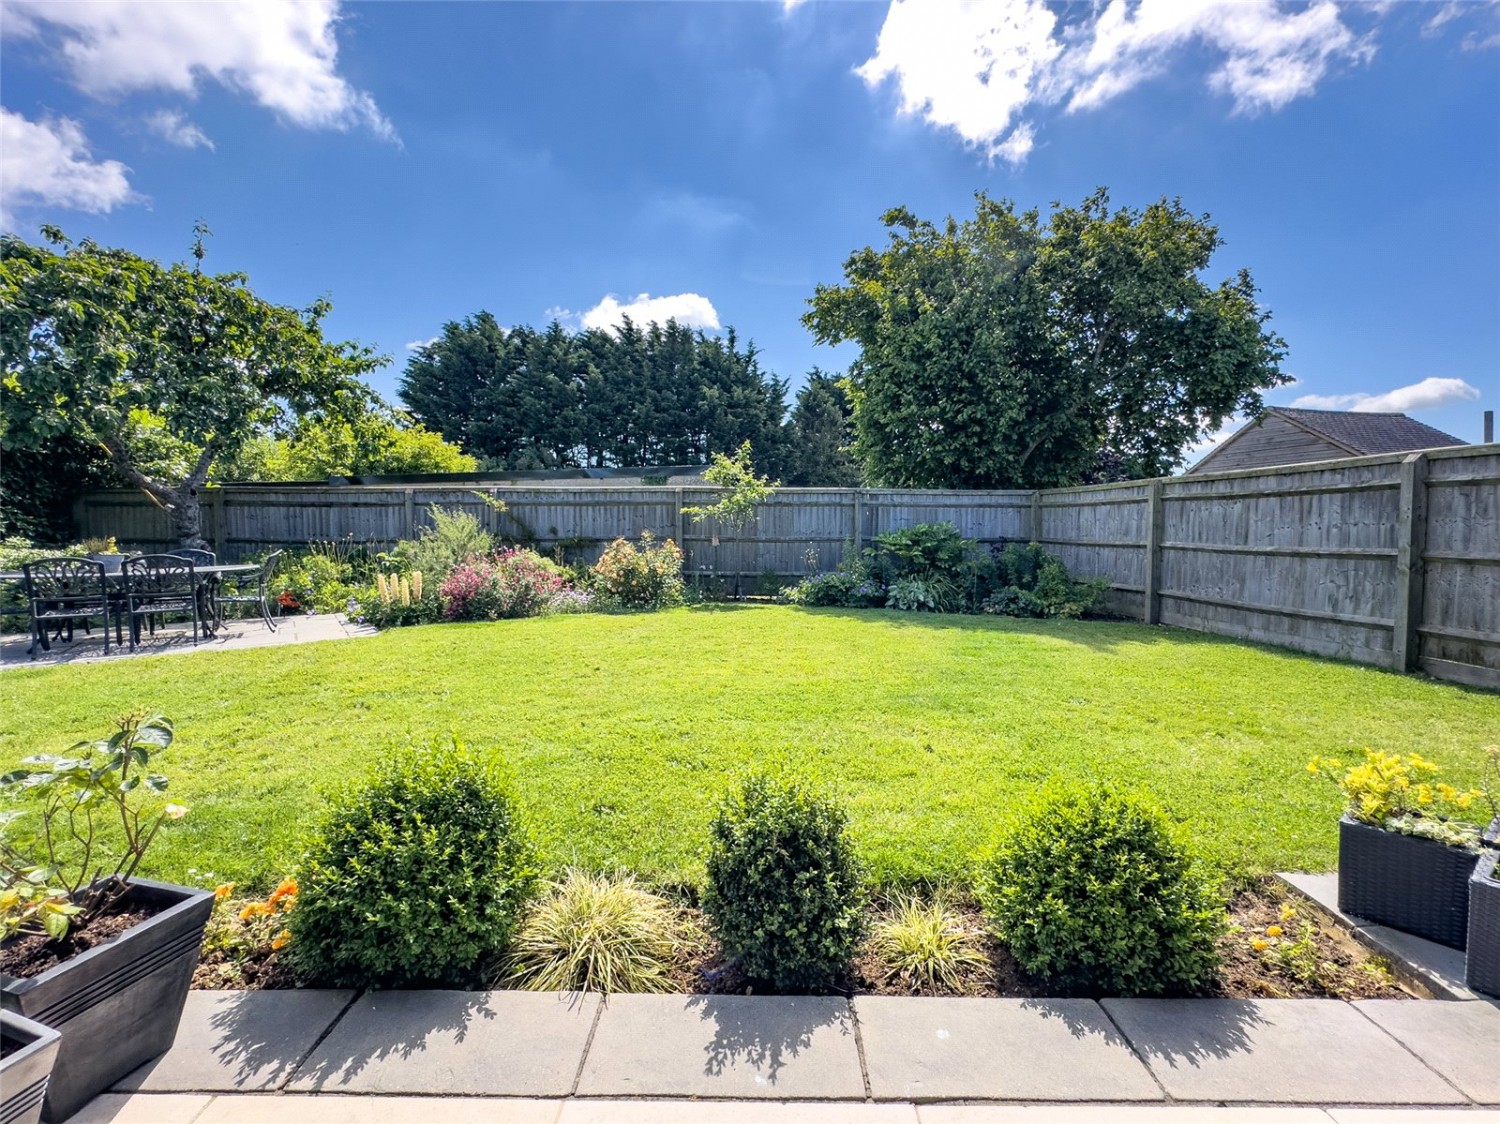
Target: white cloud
(174,127)
(282,53)
(976,67)
(417,345)
(48,162)
(688,309)
(1428,394)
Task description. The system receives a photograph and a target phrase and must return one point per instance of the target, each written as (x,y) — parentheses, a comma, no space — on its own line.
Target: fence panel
(1392,560)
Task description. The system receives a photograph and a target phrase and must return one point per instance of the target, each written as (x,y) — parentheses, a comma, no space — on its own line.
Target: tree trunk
(187,517)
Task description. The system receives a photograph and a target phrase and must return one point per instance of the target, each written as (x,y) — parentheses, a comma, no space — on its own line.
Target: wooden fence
(1391,560)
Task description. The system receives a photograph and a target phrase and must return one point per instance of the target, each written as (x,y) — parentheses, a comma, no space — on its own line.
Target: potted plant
(105,551)
(1404,860)
(27,1051)
(86,948)
(1482,962)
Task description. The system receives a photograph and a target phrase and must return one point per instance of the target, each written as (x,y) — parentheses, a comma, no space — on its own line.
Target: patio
(177,639)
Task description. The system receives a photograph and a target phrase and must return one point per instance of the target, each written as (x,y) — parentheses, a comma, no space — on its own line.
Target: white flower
(174,811)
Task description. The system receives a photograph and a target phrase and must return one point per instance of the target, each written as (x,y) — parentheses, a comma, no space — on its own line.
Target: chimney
(1489,426)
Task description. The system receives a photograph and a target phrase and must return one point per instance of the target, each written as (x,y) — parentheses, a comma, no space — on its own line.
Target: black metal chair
(207,584)
(60,591)
(260,598)
(157,584)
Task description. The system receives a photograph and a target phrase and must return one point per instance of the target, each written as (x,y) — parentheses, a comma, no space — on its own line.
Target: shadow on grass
(763,1033)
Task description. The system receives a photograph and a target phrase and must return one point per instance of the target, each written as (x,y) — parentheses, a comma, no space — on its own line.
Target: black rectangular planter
(116,1005)
(1482,964)
(1416,885)
(30,1049)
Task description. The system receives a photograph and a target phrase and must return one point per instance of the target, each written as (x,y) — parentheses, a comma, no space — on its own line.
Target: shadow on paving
(1160,1034)
(764,1037)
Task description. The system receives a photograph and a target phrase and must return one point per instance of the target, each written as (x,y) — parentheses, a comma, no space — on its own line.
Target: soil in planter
(28,956)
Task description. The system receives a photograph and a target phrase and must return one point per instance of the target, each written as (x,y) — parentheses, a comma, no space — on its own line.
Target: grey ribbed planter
(1482,963)
(1416,885)
(116,1005)
(30,1049)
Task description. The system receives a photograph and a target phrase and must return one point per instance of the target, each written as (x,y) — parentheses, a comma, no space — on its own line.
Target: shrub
(596,934)
(926,947)
(453,537)
(851,586)
(783,892)
(644,577)
(513,583)
(1095,894)
(416,876)
(1034,583)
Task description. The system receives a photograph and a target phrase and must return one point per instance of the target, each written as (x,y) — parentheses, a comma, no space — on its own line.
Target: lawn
(622,730)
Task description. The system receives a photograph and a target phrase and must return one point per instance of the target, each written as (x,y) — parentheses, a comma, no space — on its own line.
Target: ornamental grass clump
(1094,893)
(417,876)
(593,933)
(926,948)
(784,894)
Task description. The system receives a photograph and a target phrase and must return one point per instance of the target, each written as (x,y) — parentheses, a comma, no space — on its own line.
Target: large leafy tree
(165,368)
(820,436)
(381,442)
(1003,352)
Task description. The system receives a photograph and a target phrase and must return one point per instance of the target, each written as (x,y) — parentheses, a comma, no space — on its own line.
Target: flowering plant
(243,934)
(1401,794)
(53,878)
(512,583)
(648,577)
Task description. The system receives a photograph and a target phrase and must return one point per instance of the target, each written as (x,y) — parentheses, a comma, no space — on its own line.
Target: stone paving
(503,1057)
(175,639)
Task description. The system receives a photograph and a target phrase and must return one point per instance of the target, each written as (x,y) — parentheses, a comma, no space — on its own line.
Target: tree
(165,368)
(1001,353)
(820,437)
(380,443)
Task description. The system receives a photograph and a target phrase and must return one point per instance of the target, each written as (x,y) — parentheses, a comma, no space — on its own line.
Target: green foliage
(452,537)
(926,947)
(55,871)
(783,893)
(596,934)
(377,443)
(416,876)
(165,368)
(1004,352)
(820,436)
(527,399)
(1033,583)
(1095,893)
(648,576)
(851,586)
(743,490)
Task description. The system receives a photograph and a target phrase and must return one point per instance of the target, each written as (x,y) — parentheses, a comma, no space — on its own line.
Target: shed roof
(1368,434)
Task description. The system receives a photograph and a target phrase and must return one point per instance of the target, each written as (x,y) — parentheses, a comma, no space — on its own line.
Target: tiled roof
(1368,434)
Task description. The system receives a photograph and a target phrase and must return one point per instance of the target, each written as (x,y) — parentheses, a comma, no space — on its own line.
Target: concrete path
(568,1059)
(177,640)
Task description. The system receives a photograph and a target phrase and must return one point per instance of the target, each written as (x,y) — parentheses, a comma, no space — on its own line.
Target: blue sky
(418,162)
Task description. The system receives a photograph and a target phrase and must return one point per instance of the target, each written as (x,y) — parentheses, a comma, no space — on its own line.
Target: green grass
(622,730)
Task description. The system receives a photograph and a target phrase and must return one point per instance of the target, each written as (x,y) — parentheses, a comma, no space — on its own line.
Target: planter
(111,562)
(1482,965)
(1416,885)
(116,1005)
(1491,836)
(25,1064)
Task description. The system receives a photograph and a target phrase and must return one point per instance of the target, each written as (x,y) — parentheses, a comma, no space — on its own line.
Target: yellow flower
(254,909)
(223,891)
(279,941)
(174,811)
(1273,930)
(1287,912)
(1260,945)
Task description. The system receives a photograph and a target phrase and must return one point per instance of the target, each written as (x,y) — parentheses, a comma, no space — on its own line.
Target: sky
(415,163)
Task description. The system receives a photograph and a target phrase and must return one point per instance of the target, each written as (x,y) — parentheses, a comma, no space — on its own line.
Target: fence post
(1036,515)
(410,514)
(1151,595)
(1411,540)
(216,513)
(859,520)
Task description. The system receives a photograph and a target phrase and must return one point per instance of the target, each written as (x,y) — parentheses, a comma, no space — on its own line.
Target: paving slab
(458,1043)
(239,1041)
(735,1112)
(756,1046)
(1461,1040)
(126,1108)
(1413,1116)
(338,1109)
(997,1049)
(1298,1051)
(1117,1114)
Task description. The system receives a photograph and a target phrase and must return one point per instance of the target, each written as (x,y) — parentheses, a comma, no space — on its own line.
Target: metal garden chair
(208,584)
(63,590)
(260,598)
(156,584)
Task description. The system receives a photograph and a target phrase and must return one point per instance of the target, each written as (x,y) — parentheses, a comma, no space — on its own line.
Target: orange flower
(254,909)
(284,893)
(279,941)
(223,891)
